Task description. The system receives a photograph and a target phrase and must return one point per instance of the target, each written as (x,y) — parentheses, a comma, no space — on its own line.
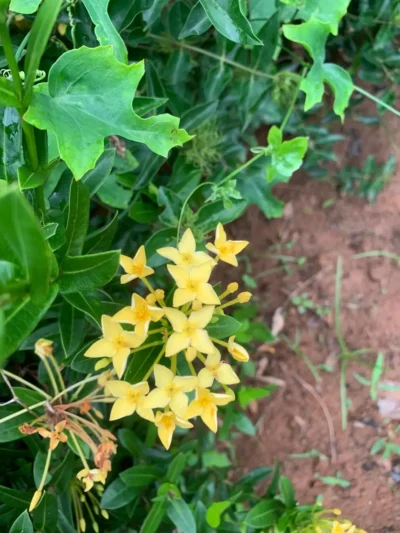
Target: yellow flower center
(142,314)
(171,389)
(186,258)
(137,269)
(192,285)
(134,395)
(190,328)
(227,248)
(168,422)
(204,402)
(120,342)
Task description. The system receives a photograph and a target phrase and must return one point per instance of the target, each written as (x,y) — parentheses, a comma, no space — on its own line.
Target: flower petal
(202,317)
(183,296)
(119,361)
(209,417)
(221,399)
(226,375)
(182,423)
(165,435)
(185,383)
(142,387)
(126,263)
(156,398)
(180,274)
(147,271)
(205,378)
(206,294)
(201,272)
(170,253)
(155,313)
(195,409)
(111,328)
(220,235)
(126,278)
(119,389)
(238,246)
(202,257)
(140,257)
(122,407)
(179,404)
(212,248)
(187,244)
(177,318)
(163,376)
(102,348)
(201,341)
(125,316)
(176,343)
(229,258)
(133,340)
(145,413)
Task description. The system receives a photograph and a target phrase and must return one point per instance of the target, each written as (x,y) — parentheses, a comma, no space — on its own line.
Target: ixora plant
(96,165)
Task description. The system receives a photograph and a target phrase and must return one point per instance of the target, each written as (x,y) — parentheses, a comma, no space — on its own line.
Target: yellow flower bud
(105,514)
(35,500)
(102,363)
(95,526)
(196,305)
(159,294)
(43,347)
(237,351)
(336,512)
(190,354)
(244,297)
(151,299)
(82,498)
(62,28)
(82,524)
(233,287)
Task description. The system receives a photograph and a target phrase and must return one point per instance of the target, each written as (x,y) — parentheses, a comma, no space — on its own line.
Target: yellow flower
(205,405)
(237,351)
(166,424)
(189,331)
(35,500)
(216,369)
(136,267)
(193,284)
(190,354)
(186,253)
(170,390)
(131,398)
(346,527)
(43,347)
(226,250)
(139,314)
(116,343)
(56,436)
(90,477)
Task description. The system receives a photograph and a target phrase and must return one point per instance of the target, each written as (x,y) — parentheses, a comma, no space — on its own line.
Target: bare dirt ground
(293,420)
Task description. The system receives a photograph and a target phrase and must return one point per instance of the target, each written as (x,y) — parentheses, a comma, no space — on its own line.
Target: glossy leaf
(286,156)
(211,214)
(181,516)
(72,328)
(24,6)
(197,22)
(88,272)
(263,515)
(229,20)
(113,194)
(144,104)
(154,517)
(287,491)
(7,94)
(89,303)
(78,219)
(143,212)
(140,475)
(140,363)
(224,327)
(95,177)
(46,514)
(23,524)
(176,468)
(104,29)
(163,237)
(38,468)
(17,499)
(117,495)
(101,239)
(10,143)
(104,108)
(215,513)
(328,12)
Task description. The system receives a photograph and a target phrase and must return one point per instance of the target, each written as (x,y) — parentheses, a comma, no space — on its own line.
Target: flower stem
(9,53)
(51,375)
(222,343)
(18,413)
(79,450)
(146,377)
(26,383)
(45,470)
(88,379)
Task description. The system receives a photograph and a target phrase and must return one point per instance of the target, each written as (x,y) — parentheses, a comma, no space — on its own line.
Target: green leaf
(22,242)
(256,190)
(88,272)
(46,514)
(143,212)
(7,94)
(199,115)
(215,512)
(254,476)
(72,328)
(17,499)
(95,178)
(154,517)
(286,156)
(38,468)
(246,395)
(181,516)
(88,302)
(312,35)
(163,237)
(287,491)
(144,104)
(328,12)
(224,327)
(104,108)
(30,179)
(131,442)
(211,214)
(229,20)
(78,219)
(23,320)
(176,468)
(9,429)
(197,22)
(273,486)
(101,239)
(113,194)
(215,459)
(22,524)
(117,495)
(140,475)
(26,7)
(218,78)
(263,515)
(104,29)
(140,363)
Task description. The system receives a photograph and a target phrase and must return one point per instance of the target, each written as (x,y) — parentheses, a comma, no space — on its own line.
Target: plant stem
(294,99)
(217,57)
(79,450)
(51,375)
(9,53)
(377,100)
(146,377)
(26,383)
(341,341)
(45,470)
(88,379)
(23,411)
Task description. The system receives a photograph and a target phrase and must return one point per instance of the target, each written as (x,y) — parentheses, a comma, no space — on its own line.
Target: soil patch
(293,420)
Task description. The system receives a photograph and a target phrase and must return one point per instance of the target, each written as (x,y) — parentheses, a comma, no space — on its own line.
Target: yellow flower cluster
(183,329)
(321,523)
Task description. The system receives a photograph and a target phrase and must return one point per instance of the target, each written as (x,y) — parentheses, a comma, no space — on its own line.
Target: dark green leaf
(197,22)
(113,194)
(176,468)
(143,212)
(88,302)
(131,442)
(144,104)
(273,486)
(117,495)
(218,78)
(88,272)
(154,517)
(78,219)
(17,499)
(22,524)
(211,214)
(198,115)
(72,328)
(95,178)
(224,327)
(140,475)
(38,468)
(287,491)
(100,240)
(254,476)
(45,516)
(163,237)
(181,516)
(263,515)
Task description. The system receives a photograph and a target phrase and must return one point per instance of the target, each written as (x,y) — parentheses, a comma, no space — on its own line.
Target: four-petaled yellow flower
(166,424)
(56,436)
(185,254)
(237,351)
(224,249)
(193,284)
(189,331)
(90,477)
(131,398)
(345,527)
(215,369)
(139,314)
(136,267)
(205,405)
(170,390)
(116,343)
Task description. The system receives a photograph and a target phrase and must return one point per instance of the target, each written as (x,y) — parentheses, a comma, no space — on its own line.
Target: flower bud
(102,363)
(35,500)
(43,347)
(82,524)
(159,294)
(237,351)
(95,526)
(105,514)
(190,354)
(233,287)
(336,512)
(196,305)
(151,299)
(244,297)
